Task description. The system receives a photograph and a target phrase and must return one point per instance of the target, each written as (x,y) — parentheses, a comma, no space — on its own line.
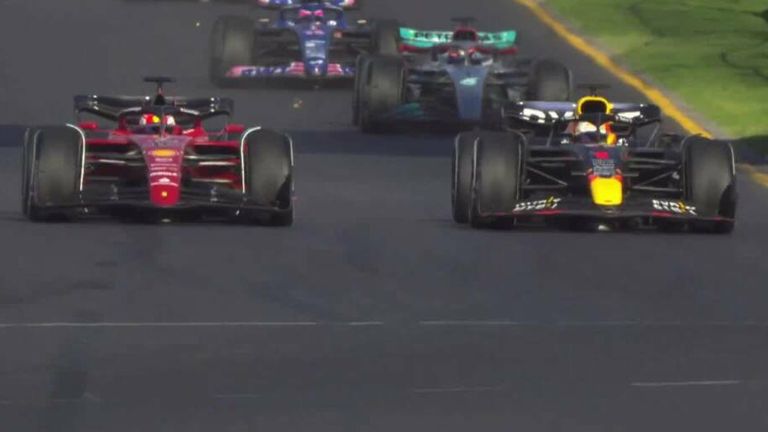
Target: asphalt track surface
(374,312)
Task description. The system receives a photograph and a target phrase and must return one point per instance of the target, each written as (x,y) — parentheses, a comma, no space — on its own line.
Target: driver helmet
(152,122)
(456,56)
(477,58)
(149,120)
(586,132)
(309,14)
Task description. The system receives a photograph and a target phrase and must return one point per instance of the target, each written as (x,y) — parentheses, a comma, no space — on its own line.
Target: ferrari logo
(163,153)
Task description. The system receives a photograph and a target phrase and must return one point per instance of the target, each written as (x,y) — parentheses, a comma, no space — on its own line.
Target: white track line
(432,323)
(498,323)
(364,323)
(238,396)
(686,383)
(457,389)
(161,324)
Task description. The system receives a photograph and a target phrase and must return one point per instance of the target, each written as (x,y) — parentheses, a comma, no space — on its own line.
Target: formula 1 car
(588,164)
(310,39)
(158,161)
(461,77)
(277,4)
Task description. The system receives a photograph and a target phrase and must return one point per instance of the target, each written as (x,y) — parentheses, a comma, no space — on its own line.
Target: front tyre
(381,91)
(53,172)
(361,71)
(385,37)
(710,182)
(231,44)
(268,165)
(497,163)
(461,175)
(26,169)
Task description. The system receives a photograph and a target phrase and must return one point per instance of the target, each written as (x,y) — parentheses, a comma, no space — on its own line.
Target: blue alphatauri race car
(459,78)
(309,39)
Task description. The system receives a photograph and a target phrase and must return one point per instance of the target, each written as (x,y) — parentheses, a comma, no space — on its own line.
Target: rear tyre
(461,190)
(269,175)
(232,40)
(53,158)
(710,182)
(385,37)
(494,99)
(497,163)
(381,91)
(550,81)
(360,71)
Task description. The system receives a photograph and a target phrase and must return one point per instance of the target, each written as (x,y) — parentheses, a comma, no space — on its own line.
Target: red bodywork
(161,165)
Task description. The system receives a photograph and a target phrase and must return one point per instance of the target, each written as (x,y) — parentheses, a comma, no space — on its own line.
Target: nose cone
(607,191)
(164,195)
(316,67)
(164,175)
(469,82)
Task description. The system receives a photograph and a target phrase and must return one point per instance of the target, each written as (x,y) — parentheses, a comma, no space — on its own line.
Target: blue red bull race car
(592,164)
(157,158)
(459,78)
(309,39)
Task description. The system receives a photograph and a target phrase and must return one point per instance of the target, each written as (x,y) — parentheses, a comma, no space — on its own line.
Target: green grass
(711,53)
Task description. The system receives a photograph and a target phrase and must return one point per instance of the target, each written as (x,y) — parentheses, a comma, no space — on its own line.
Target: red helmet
(149,120)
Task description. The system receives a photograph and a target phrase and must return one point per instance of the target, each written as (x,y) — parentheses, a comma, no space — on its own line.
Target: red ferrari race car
(157,159)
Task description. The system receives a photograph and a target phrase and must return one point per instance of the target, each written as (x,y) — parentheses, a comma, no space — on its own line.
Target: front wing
(98,200)
(638,208)
(292,70)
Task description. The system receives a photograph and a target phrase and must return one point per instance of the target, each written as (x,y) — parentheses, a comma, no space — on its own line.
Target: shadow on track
(352,142)
(11,135)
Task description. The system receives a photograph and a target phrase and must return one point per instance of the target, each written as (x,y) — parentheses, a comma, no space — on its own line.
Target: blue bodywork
(317,26)
(346,4)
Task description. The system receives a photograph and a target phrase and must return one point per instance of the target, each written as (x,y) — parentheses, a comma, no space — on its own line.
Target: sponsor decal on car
(677,207)
(604,167)
(545,204)
(163,153)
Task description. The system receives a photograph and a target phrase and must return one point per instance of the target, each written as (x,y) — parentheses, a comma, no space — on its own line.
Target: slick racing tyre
(461,191)
(385,37)
(268,164)
(231,43)
(710,181)
(360,71)
(26,169)
(52,172)
(381,91)
(497,163)
(550,81)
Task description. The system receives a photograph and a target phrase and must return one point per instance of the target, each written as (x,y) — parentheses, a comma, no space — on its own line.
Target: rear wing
(427,39)
(549,114)
(279,4)
(111,107)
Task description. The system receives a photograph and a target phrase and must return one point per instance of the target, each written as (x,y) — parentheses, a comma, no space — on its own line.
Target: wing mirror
(234,128)
(88,125)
